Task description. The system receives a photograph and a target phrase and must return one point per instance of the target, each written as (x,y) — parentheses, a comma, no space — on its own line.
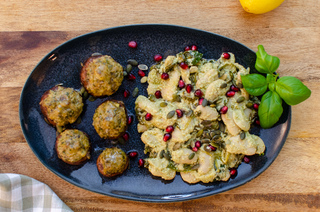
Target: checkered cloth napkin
(22,193)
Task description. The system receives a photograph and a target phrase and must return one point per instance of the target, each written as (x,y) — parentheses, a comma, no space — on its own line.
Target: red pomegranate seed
(141,73)
(255,106)
(130,119)
(169,129)
(164,76)
(133,154)
(166,137)
(141,162)
(148,117)
(198,93)
(234,88)
(195,149)
(230,93)
(189,88)
(224,110)
(187,48)
(157,57)
(183,65)
(233,172)
(226,55)
(212,148)
(126,136)
(131,76)
(179,113)
(200,101)
(181,84)
(198,144)
(133,44)
(194,48)
(126,93)
(157,94)
(257,122)
(246,159)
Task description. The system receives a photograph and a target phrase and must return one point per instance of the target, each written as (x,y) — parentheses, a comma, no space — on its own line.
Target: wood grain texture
(31,29)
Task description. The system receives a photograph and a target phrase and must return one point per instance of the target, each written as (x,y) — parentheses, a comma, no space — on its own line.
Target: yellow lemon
(260,6)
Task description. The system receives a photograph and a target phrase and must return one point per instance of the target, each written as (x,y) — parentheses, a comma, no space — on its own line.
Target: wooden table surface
(30,29)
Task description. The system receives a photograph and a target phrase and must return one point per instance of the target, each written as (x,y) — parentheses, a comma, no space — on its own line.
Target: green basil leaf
(270,109)
(255,84)
(265,63)
(292,90)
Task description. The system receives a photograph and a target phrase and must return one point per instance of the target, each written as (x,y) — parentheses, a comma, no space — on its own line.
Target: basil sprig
(288,88)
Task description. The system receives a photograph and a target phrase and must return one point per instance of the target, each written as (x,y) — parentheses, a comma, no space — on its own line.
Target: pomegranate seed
(224,110)
(226,55)
(148,117)
(200,101)
(195,149)
(189,88)
(169,129)
(126,136)
(187,48)
(198,144)
(133,154)
(194,48)
(130,119)
(230,93)
(133,44)
(257,122)
(212,148)
(246,159)
(179,113)
(164,76)
(255,106)
(157,57)
(126,93)
(181,84)
(141,73)
(234,88)
(198,93)
(233,172)
(166,136)
(141,162)
(183,65)
(158,94)
(131,76)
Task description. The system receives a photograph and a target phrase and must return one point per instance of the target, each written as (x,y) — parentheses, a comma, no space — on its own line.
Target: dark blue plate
(63,64)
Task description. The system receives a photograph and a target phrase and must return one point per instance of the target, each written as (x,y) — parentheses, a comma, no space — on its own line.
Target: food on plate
(61,105)
(112,161)
(101,75)
(73,146)
(197,117)
(110,119)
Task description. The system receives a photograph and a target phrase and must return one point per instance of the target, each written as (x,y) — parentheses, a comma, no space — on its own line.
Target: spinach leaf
(255,84)
(292,90)
(265,63)
(270,109)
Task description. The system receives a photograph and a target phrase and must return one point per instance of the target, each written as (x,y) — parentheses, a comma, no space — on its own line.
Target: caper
(91,98)
(143,67)
(163,104)
(242,135)
(223,85)
(240,99)
(204,102)
(191,155)
(135,92)
(129,68)
(132,62)
(249,104)
(171,114)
